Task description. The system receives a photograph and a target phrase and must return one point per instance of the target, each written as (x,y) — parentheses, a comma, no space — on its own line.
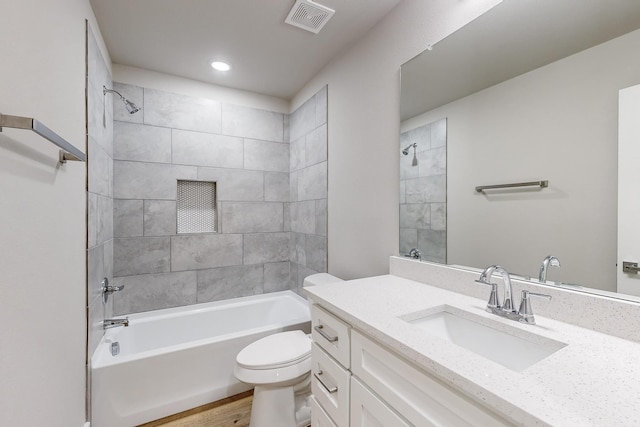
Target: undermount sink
(478,335)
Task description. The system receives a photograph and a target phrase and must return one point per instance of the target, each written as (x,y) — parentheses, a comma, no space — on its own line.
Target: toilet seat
(276,359)
(276,351)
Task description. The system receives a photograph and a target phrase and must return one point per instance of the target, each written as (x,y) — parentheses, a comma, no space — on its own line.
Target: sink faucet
(524,314)
(549,260)
(114,323)
(485,279)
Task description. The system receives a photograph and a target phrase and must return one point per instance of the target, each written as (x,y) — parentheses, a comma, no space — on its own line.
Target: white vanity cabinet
(367,385)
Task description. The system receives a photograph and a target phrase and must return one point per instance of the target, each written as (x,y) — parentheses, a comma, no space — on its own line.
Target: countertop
(593,381)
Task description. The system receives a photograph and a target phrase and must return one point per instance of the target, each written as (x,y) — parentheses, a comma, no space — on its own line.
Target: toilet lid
(274,351)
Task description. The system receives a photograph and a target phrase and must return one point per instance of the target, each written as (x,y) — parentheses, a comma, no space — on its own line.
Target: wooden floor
(233,411)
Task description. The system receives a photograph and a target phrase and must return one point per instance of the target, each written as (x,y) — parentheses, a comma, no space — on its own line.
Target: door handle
(630,267)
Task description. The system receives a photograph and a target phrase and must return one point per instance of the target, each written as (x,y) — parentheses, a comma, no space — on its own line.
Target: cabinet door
(367,410)
(319,417)
(331,333)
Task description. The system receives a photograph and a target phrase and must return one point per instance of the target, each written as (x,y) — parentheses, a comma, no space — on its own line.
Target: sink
(492,340)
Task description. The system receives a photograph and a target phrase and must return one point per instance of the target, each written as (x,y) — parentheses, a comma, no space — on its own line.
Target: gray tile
(303,217)
(321,217)
(252,123)
(312,182)
(181,112)
(235,184)
(293,277)
(127,218)
(141,255)
(439,133)
(277,276)
(433,245)
(407,169)
(293,186)
(408,240)
(430,189)
(415,215)
(135,180)
(286,128)
(251,217)
(297,248)
(322,106)
(99,117)
(266,247)
(276,187)
(438,216)
(229,282)
(143,143)
(287,217)
(202,251)
(303,119)
(297,154)
(108,259)
(206,149)
(316,146)
(95,271)
(99,169)
(97,69)
(432,162)
(403,192)
(266,156)
(155,292)
(132,93)
(159,217)
(316,253)
(104,230)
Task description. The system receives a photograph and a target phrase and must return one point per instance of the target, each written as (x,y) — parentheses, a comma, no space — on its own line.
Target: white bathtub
(176,359)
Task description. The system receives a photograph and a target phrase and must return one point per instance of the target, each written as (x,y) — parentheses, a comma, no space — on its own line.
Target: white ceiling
(182,37)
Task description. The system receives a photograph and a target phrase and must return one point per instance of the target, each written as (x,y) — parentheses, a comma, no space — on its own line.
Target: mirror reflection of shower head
(130,106)
(406,150)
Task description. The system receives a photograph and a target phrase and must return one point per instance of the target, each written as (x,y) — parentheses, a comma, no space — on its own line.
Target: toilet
(279,366)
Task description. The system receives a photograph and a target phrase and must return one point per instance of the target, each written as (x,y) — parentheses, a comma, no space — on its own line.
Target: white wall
(154,80)
(42,212)
(364,91)
(560,123)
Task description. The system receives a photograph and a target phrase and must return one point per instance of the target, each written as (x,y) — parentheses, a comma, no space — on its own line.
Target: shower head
(130,106)
(406,150)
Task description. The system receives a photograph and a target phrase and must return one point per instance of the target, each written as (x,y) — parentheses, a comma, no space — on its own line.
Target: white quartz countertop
(593,381)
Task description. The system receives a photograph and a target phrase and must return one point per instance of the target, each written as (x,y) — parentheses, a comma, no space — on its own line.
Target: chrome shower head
(130,106)
(406,150)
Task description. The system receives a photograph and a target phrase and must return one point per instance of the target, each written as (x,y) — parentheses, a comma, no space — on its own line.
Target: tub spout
(114,323)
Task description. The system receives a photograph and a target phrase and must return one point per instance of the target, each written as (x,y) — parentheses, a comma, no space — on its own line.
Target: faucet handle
(525,311)
(493,297)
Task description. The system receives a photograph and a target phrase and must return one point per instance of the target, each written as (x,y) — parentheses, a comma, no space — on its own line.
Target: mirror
(529,92)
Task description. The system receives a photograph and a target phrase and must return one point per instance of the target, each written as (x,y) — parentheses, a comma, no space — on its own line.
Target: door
(629,188)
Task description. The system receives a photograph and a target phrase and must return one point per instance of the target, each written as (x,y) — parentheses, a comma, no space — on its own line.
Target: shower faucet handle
(108,289)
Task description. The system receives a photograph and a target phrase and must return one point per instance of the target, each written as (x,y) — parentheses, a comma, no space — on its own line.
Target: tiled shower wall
(100,187)
(308,132)
(423,192)
(246,152)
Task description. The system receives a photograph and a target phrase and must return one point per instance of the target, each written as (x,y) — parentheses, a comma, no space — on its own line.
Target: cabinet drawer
(330,385)
(367,410)
(421,398)
(319,418)
(330,333)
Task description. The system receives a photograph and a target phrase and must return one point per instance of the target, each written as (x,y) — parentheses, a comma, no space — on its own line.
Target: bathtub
(180,358)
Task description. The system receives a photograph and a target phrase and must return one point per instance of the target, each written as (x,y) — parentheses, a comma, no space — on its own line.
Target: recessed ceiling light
(220,66)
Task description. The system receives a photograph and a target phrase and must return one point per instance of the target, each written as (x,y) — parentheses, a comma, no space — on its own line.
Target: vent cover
(196,207)
(309,15)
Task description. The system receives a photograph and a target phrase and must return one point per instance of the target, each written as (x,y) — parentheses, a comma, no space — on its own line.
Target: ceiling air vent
(309,15)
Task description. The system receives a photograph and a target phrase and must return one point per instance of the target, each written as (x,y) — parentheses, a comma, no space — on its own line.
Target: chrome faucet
(415,254)
(108,289)
(114,323)
(524,314)
(485,279)
(549,260)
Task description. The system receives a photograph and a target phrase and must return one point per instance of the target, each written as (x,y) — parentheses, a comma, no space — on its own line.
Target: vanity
(380,356)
